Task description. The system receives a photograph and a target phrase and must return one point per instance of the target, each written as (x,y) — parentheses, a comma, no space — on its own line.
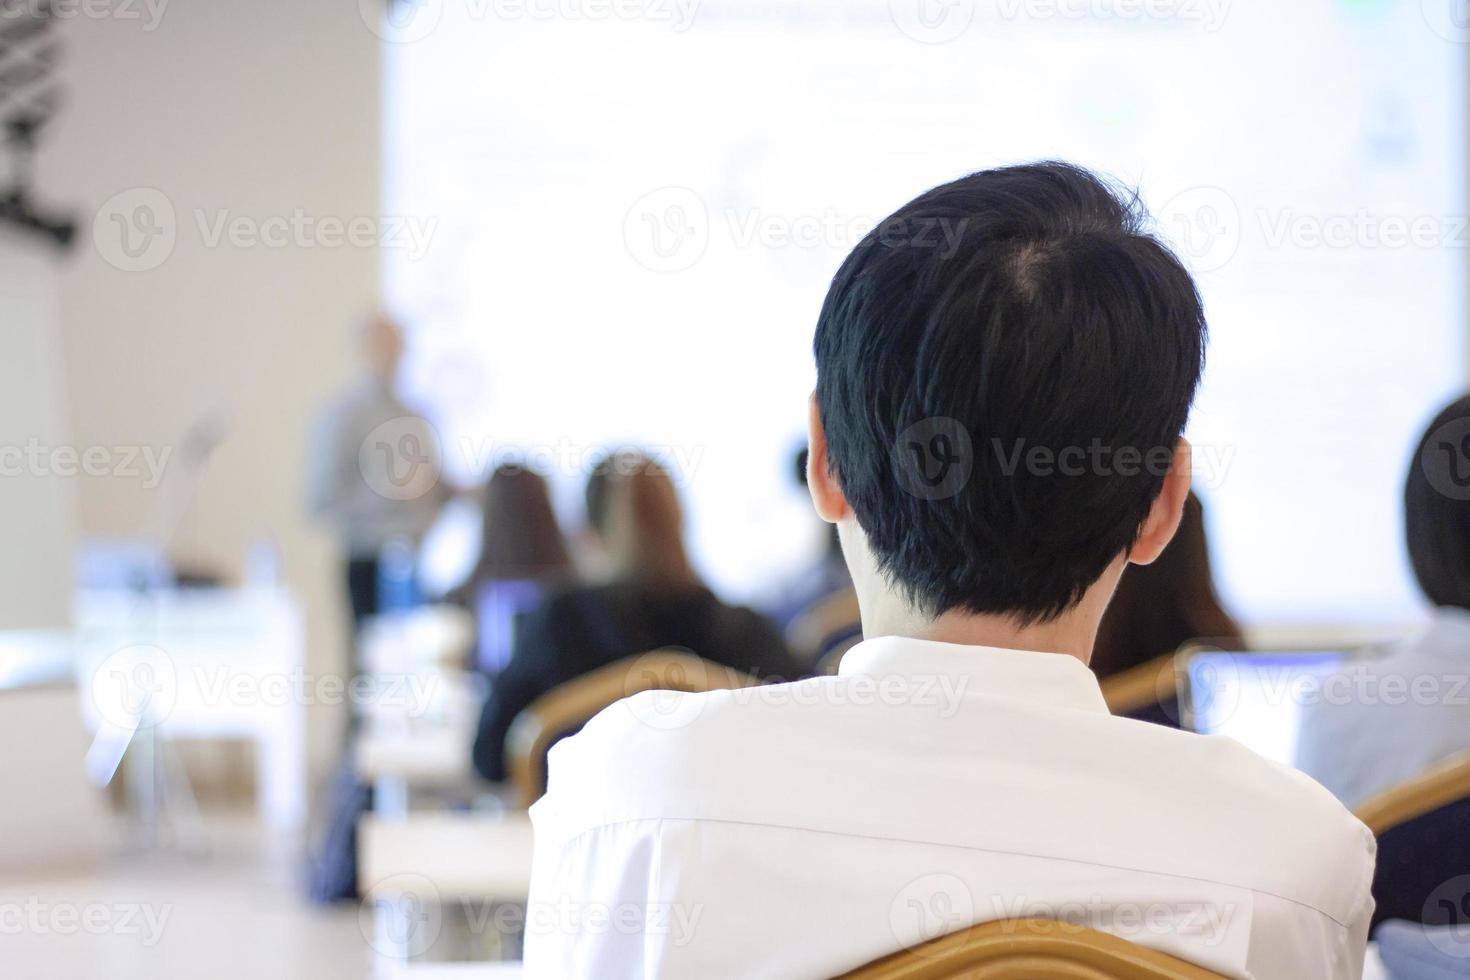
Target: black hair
(1437,507)
(1004,367)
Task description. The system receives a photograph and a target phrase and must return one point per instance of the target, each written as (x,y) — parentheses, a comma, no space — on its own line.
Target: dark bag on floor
(332,865)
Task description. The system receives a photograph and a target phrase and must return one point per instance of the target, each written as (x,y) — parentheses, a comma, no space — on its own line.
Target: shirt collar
(1048,679)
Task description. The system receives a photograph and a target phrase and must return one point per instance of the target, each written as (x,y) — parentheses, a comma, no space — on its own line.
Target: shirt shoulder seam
(1356,906)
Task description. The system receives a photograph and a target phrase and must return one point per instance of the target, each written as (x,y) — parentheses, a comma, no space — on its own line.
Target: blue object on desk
(1412,951)
(498,605)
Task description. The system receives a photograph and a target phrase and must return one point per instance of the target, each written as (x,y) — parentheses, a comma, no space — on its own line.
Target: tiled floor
(239,913)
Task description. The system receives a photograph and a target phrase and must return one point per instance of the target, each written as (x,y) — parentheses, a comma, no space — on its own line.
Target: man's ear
(826,494)
(1163,518)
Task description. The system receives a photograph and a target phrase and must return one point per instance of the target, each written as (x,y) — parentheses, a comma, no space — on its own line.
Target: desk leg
(390,940)
(281,772)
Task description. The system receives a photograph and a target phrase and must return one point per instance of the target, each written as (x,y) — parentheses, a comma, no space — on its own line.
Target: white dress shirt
(1383,721)
(801,830)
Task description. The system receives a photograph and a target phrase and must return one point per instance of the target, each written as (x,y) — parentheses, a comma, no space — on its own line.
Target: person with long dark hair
(1378,723)
(523,558)
(655,599)
(520,538)
(1160,607)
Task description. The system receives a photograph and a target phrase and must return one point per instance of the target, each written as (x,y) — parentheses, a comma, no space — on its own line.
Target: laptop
(1253,697)
(499,605)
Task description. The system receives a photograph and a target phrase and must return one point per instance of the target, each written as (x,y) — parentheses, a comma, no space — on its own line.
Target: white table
(421,741)
(415,872)
(463,855)
(216,664)
(457,971)
(397,765)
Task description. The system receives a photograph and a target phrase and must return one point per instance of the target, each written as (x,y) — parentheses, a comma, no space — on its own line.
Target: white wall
(37,533)
(59,825)
(257,110)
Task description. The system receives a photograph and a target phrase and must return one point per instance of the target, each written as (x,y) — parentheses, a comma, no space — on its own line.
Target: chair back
(1148,692)
(825,630)
(1029,949)
(1423,831)
(567,707)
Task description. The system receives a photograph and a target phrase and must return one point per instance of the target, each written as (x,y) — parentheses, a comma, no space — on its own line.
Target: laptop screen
(498,605)
(1256,698)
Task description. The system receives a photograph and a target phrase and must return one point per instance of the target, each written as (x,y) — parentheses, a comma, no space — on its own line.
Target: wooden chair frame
(1435,787)
(569,706)
(824,619)
(1139,687)
(1029,949)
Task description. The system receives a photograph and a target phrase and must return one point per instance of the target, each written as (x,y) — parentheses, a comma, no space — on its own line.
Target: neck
(1072,633)
(886,611)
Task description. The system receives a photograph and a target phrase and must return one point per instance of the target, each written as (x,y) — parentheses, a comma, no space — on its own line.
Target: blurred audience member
(827,576)
(655,599)
(1382,721)
(381,495)
(593,552)
(523,558)
(1160,607)
(520,538)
